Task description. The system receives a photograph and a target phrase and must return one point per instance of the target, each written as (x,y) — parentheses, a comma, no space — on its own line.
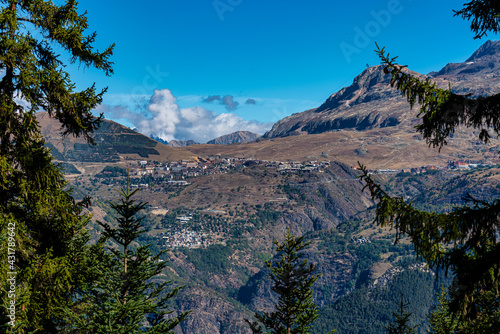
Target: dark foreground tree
(292,279)
(467,240)
(401,325)
(128,295)
(42,233)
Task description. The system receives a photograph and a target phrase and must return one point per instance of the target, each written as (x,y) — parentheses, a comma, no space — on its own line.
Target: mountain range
(367,121)
(370,122)
(113,142)
(244,205)
(237,137)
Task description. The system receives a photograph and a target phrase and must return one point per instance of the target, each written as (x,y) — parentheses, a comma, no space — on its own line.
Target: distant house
(180,183)
(184,219)
(458,165)
(140,172)
(387,171)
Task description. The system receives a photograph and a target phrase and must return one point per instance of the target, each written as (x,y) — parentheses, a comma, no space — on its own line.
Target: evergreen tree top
(293,278)
(50,231)
(34,72)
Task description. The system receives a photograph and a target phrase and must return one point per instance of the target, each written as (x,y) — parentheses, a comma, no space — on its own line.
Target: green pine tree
(127,296)
(293,279)
(440,319)
(402,319)
(41,225)
(466,240)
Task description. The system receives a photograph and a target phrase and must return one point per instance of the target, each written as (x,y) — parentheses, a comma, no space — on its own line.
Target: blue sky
(284,56)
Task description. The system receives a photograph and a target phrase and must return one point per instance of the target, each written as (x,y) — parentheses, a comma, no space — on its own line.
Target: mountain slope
(113,143)
(366,104)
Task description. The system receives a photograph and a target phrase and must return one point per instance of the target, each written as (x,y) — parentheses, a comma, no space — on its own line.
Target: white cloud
(165,119)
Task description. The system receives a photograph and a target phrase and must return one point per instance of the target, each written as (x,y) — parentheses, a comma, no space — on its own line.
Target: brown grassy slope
(391,147)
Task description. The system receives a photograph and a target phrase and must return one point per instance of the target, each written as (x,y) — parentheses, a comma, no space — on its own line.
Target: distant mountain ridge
(235,138)
(367,120)
(369,102)
(229,139)
(181,143)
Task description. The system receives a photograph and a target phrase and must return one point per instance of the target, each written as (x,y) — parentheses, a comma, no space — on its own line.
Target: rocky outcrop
(211,313)
(370,85)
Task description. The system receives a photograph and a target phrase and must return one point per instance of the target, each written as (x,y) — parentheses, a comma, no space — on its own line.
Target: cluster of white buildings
(214,165)
(185,238)
(452,165)
(361,240)
(301,166)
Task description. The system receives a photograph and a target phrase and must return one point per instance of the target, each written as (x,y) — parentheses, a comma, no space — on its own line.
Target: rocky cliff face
(370,102)
(211,313)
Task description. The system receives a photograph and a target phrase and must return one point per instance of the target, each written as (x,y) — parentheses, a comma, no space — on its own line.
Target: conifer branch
(465,241)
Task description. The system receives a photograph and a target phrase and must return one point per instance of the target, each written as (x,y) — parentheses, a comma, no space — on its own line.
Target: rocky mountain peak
(370,85)
(484,60)
(487,50)
(360,106)
(370,102)
(371,77)
(478,75)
